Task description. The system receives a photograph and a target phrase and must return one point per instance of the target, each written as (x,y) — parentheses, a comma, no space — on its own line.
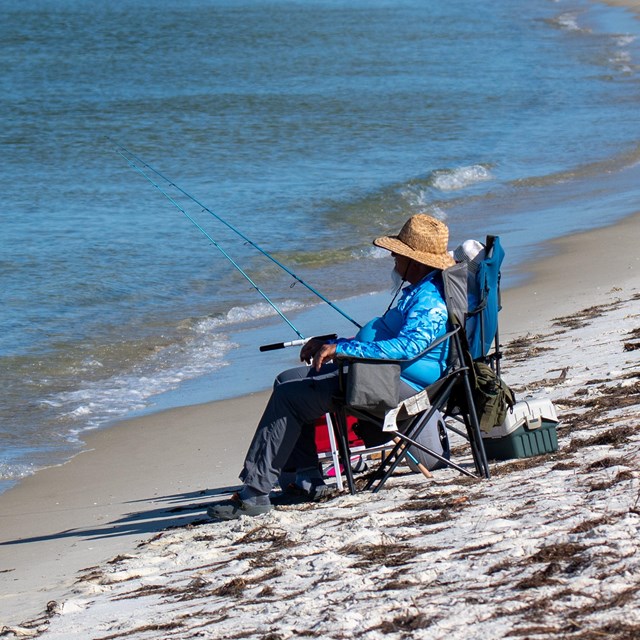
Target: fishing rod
(122,150)
(224,253)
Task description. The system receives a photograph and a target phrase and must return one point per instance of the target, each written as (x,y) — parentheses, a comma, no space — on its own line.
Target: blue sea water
(311,126)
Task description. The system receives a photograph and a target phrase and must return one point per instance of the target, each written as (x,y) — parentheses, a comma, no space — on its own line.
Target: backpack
(492,396)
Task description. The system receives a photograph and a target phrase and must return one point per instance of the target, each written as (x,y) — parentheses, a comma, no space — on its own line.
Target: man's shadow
(180,510)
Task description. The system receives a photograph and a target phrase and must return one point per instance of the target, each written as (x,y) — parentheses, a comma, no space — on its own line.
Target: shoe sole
(232,512)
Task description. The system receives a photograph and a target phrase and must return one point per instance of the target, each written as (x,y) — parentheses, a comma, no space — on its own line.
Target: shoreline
(140,476)
(633,5)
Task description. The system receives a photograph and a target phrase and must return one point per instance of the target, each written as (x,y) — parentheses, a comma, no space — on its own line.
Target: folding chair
(451,394)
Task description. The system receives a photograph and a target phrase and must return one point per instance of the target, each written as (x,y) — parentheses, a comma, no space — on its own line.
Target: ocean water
(310,126)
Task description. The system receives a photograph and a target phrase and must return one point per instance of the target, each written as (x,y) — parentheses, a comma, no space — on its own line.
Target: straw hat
(423,239)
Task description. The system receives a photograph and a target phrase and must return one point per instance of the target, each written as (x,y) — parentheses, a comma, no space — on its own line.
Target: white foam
(622,60)
(569,22)
(239,315)
(459,178)
(625,40)
(417,196)
(373,252)
(15,470)
(202,352)
(95,402)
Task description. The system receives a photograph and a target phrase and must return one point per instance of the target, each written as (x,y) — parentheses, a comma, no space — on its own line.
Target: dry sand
(142,476)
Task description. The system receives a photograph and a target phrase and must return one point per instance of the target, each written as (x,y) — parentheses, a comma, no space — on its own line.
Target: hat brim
(395,245)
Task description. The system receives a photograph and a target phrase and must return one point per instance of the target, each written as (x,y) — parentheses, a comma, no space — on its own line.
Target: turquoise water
(311,126)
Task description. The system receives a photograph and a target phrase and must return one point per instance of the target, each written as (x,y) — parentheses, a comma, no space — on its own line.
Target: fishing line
(404,279)
(215,244)
(120,149)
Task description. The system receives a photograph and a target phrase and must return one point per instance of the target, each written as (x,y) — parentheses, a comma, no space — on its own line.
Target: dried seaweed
(611,437)
(588,525)
(388,555)
(605,463)
(234,588)
(540,578)
(556,552)
(405,622)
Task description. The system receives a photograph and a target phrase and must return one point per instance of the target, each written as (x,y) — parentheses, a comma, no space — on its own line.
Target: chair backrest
(455,292)
(484,289)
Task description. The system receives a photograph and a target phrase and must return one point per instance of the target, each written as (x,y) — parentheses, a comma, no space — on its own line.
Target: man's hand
(325,354)
(317,352)
(309,349)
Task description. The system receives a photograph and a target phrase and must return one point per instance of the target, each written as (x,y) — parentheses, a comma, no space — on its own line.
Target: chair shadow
(180,510)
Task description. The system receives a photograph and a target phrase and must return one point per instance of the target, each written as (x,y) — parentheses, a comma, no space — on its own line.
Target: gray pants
(285,437)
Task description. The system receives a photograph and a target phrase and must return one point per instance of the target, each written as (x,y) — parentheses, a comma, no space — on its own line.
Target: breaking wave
(459,178)
(201,349)
(14,471)
(568,22)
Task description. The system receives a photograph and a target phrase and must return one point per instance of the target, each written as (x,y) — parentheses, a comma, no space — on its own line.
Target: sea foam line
(203,351)
(459,178)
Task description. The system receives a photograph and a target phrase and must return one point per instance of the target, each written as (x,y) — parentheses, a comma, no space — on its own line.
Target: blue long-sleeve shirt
(405,331)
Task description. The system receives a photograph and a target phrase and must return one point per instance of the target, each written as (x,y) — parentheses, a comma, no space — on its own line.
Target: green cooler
(528,430)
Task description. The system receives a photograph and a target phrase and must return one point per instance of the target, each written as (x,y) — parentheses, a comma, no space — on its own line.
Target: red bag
(322,435)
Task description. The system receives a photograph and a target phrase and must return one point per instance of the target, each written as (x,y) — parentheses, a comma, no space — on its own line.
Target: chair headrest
(472,252)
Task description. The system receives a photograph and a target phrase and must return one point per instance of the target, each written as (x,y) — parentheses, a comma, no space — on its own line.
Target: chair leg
(391,461)
(379,473)
(408,441)
(339,420)
(335,454)
(471,419)
(475,435)
(398,452)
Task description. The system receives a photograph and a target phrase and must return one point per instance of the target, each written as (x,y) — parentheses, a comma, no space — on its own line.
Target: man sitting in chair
(285,436)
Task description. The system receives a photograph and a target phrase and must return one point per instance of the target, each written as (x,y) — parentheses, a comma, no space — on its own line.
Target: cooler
(528,430)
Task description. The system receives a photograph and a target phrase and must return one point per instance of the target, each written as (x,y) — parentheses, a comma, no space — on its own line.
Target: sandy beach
(138,493)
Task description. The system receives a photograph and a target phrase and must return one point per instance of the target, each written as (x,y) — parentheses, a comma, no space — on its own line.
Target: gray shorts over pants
(285,436)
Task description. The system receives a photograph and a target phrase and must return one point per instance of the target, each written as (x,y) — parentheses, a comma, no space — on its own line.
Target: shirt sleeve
(425,320)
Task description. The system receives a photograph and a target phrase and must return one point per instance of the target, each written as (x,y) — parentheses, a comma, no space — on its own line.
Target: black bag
(371,433)
(373,386)
(492,396)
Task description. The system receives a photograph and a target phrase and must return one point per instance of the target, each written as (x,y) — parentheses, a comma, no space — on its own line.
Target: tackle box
(528,430)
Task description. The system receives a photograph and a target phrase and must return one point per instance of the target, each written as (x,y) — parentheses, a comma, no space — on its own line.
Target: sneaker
(234,508)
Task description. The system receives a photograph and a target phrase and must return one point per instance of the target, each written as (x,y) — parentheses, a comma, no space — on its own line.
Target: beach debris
(547,548)
(18,632)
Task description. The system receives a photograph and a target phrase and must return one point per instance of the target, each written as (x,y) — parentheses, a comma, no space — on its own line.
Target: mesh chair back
(455,292)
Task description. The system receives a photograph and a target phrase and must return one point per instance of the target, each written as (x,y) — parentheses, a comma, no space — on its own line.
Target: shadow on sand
(178,510)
